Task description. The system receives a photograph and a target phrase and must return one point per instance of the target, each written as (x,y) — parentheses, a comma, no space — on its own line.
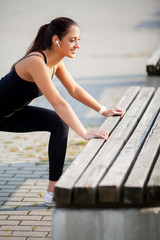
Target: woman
(30,77)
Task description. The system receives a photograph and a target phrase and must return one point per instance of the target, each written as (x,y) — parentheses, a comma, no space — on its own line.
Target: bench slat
(109,189)
(85,188)
(153,186)
(63,189)
(134,187)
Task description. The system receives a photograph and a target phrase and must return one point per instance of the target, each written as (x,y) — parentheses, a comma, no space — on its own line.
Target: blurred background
(117,38)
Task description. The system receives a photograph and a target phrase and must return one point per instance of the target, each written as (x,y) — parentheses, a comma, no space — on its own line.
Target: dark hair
(59,26)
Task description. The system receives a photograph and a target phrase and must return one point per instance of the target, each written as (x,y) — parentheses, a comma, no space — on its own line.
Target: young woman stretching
(30,77)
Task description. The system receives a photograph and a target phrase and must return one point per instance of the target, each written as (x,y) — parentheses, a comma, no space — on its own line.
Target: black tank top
(16,93)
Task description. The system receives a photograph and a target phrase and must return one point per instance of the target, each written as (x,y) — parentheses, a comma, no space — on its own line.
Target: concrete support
(106,224)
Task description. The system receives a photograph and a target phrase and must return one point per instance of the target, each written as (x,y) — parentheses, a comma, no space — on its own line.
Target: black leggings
(32,119)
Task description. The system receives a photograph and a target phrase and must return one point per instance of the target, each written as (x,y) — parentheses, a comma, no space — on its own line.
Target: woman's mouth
(73,51)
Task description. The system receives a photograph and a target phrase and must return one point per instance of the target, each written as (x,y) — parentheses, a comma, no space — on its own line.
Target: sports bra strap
(45,59)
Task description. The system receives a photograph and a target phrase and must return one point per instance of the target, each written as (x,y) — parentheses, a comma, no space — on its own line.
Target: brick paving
(23,180)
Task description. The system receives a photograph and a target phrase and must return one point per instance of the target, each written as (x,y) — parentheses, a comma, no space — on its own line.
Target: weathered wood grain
(85,188)
(109,189)
(133,190)
(152,192)
(64,187)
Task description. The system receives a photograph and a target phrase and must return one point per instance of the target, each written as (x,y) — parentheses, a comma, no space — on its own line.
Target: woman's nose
(77,45)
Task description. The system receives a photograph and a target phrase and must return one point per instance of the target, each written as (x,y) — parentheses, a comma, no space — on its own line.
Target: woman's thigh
(31,119)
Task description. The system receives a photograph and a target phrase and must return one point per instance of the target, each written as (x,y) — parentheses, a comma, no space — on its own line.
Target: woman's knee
(63,129)
(60,128)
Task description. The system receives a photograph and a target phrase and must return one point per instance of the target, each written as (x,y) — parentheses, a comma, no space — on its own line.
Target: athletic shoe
(49,199)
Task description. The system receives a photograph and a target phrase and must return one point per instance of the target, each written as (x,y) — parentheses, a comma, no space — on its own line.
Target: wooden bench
(124,170)
(153,64)
(153,70)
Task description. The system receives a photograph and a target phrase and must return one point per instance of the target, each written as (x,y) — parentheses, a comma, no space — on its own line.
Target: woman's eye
(73,40)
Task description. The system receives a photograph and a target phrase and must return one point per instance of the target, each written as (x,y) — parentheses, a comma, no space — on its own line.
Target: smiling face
(70,42)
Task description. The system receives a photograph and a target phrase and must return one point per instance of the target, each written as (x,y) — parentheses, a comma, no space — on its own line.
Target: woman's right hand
(100,133)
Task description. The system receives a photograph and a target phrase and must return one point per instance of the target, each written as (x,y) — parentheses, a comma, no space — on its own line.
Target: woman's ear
(55,40)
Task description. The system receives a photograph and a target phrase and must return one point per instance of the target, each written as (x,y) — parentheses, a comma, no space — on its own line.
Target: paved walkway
(23,180)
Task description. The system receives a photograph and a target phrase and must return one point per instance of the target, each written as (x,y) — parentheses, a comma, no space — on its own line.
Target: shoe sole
(50,204)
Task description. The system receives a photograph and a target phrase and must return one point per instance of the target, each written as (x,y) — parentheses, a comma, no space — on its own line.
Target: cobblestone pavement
(23,180)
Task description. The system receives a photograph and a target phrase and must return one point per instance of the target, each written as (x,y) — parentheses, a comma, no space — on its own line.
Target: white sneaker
(49,199)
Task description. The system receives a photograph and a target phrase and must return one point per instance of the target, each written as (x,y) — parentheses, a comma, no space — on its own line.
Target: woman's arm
(41,76)
(77,92)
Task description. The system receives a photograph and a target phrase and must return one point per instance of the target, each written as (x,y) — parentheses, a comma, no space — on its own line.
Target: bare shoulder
(36,62)
(37,68)
(27,65)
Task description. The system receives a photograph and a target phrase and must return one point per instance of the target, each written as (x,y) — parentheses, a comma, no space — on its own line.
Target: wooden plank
(109,189)
(152,192)
(134,187)
(153,64)
(85,188)
(63,189)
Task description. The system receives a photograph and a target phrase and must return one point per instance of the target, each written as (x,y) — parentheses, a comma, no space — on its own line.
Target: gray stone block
(106,224)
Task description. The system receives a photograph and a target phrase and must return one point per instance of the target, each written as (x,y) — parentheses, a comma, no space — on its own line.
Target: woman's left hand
(114,112)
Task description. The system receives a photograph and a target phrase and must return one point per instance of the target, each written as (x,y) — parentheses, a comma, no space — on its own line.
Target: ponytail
(38,43)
